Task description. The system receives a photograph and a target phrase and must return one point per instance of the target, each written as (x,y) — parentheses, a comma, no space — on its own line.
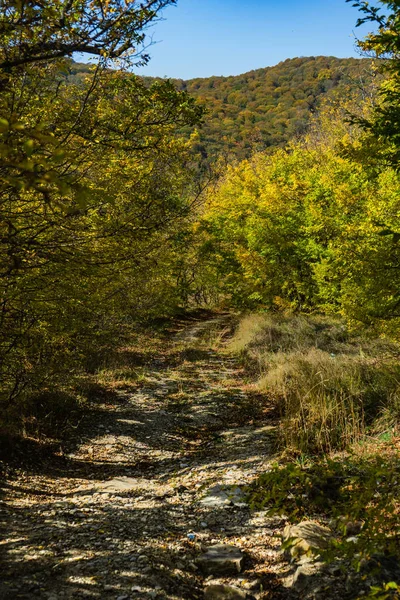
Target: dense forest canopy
(267,107)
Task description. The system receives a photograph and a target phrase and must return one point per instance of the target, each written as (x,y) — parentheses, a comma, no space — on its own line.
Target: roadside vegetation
(337,393)
(332,386)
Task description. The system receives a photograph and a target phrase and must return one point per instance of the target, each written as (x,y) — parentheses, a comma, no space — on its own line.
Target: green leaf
(392,585)
(29,146)
(4,125)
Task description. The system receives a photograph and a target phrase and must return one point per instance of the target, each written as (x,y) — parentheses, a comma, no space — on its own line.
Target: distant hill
(266,107)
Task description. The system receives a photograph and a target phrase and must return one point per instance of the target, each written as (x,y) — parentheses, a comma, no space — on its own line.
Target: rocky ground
(153,478)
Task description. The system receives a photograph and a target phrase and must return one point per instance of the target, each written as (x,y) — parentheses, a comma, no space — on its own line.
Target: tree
(87,206)
(384,44)
(34,31)
(310,228)
(94,183)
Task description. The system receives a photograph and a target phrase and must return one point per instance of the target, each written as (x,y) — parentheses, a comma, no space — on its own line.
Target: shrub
(332,386)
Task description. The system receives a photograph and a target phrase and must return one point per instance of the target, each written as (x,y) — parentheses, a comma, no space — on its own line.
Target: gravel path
(155,478)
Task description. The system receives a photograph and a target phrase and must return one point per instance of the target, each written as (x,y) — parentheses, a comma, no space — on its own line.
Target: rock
(255,584)
(306,538)
(222,496)
(143,559)
(301,579)
(353,528)
(348,528)
(119,484)
(336,569)
(216,496)
(215,501)
(221,559)
(223,592)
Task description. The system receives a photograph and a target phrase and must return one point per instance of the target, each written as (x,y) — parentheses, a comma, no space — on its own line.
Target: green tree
(309,228)
(384,44)
(94,181)
(33,32)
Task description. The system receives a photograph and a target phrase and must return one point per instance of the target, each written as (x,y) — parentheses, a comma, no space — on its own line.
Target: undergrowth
(53,410)
(357,495)
(332,386)
(338,393)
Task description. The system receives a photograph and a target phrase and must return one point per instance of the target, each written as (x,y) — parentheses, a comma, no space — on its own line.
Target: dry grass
(332,386)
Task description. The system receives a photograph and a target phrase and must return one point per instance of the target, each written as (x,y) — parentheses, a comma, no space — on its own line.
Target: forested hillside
(267,107)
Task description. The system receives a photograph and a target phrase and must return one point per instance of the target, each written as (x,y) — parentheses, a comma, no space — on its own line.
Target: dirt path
(155,477)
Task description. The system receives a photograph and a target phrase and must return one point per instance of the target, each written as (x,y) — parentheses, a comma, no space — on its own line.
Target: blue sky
(200,38)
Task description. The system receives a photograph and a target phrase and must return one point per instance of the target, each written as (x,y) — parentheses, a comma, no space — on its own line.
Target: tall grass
(332,386)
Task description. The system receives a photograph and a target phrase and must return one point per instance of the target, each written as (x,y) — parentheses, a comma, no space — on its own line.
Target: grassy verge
(338,393)
(333,386)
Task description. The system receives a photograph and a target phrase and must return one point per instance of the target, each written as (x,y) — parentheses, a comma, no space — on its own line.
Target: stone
(119,484)
(301,579)
(221,559)
(255,584)
(222,496)
(215,501)
(143,558)
(353,528)
(223,592)
(306,538)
